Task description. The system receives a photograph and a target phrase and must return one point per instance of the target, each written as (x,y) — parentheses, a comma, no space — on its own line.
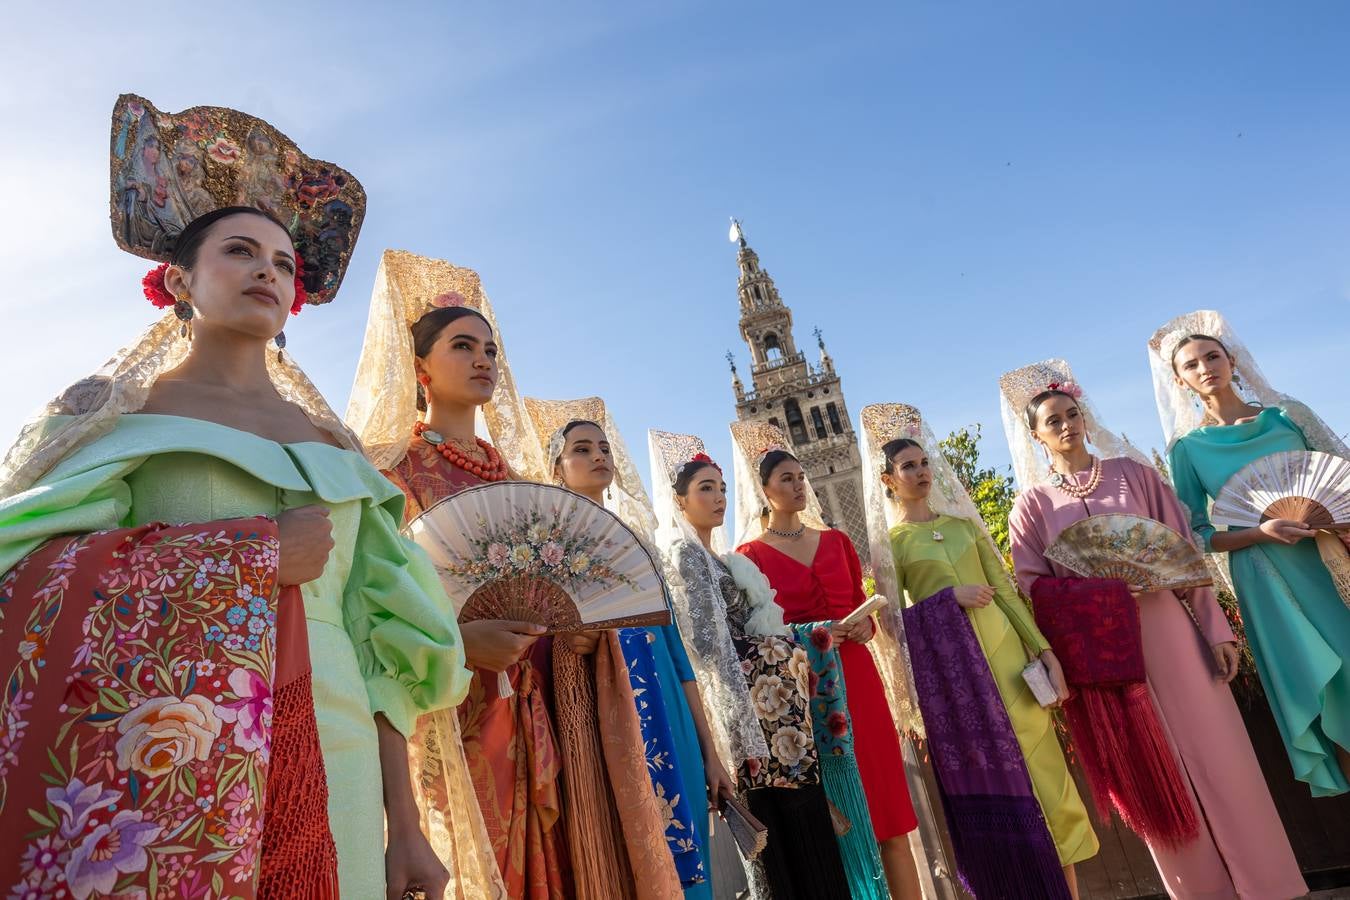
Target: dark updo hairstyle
(770,461)
(1191,339)
(188,242)
(684,475)
(1035,404)
(889,451)
(767,463)
(569,428)
(427,329)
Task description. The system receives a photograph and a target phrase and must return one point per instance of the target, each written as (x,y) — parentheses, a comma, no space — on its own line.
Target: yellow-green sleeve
(897,559)
(1007,597)
(401,623)
(95,499)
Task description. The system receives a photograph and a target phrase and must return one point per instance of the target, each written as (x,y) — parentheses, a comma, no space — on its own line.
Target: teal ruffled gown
(1297,625)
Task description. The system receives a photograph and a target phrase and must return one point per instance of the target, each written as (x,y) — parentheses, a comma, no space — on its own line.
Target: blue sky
(948,190)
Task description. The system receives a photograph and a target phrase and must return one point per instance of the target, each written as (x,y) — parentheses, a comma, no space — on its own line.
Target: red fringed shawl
(145,706)
(1093,626)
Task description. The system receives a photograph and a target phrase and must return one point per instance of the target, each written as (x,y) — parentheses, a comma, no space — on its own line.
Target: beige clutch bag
(1038,679)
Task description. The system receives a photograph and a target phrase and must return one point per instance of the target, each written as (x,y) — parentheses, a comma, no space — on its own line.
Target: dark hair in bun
(427,329)
(889,451)
(186,244)
(770,461)
(684,475)
(1035,404)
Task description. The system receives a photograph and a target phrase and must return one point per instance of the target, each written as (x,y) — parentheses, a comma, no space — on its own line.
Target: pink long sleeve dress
(1242,850)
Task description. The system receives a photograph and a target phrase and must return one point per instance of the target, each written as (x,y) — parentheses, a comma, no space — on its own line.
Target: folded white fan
(1302,485)
(1139,551)
(539,553)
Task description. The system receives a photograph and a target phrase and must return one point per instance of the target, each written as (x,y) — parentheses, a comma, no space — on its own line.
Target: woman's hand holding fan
(1290,496)
(497,644)
(1284,531)
(1145,554)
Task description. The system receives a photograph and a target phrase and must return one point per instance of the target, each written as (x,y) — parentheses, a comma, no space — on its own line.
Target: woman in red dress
(818,578)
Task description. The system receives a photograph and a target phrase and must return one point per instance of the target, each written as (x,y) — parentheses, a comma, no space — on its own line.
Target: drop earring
(183,310)
(280,341)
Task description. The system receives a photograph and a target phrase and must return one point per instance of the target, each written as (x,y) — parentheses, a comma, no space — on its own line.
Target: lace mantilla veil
(1017,388)
(382,410)
(700,607)
(383,405)
(882,423)
(628,498)
(1181,412)
(1178,406)
(270,172)
(751,441)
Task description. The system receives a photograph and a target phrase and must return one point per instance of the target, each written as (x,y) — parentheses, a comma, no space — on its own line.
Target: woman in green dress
(936,541)
(200,422)
(1219,414)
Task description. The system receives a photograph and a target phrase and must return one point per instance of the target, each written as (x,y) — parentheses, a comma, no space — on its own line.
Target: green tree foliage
(991,491)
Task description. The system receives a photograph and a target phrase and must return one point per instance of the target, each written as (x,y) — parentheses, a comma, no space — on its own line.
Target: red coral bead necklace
(494,469)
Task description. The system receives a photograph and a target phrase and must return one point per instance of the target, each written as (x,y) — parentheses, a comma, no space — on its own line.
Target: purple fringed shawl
(1002,843)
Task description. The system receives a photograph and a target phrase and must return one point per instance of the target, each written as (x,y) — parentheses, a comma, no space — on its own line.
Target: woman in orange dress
(527,765)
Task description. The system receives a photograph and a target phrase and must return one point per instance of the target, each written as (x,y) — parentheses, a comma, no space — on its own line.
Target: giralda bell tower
(805,401)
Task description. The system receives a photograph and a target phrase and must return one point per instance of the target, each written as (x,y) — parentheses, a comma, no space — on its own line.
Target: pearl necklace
(494,469)
(1069,484)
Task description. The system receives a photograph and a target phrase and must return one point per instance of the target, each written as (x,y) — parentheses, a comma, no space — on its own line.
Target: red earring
(424,380)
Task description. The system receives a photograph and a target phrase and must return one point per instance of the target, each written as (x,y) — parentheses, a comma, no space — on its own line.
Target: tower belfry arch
(804,399)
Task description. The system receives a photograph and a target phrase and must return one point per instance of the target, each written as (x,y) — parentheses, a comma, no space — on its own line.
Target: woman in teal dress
(200,422)
(1297,624)
(585,460)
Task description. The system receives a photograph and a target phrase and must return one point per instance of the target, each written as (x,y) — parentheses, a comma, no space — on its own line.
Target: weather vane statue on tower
(736,233)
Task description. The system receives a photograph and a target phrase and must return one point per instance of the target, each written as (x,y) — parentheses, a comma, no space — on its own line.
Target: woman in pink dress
(1241,849)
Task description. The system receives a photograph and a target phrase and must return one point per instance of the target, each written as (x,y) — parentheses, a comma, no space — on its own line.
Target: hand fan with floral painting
(540,553)
(1141,552)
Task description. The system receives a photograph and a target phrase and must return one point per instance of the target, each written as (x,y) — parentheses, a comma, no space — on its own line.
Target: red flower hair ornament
(161,298)
(698,459)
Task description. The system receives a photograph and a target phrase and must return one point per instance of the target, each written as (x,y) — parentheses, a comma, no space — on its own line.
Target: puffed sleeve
(401,623)
(94,499)
(1028,544)
(1005,595)
(1192,493)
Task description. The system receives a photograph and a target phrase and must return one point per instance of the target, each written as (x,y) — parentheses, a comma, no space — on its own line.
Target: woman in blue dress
(1220,414)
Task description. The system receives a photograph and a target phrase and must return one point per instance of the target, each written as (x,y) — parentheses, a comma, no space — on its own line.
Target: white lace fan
(539,553)
(1141,552)
(1302,485)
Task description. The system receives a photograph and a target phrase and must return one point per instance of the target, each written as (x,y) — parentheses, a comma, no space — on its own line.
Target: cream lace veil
(1180,409)
(882,423)
(751,441)
(629,499)
(383,405)
(1017,388)
(383,409)
(700,607)
(89,408)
